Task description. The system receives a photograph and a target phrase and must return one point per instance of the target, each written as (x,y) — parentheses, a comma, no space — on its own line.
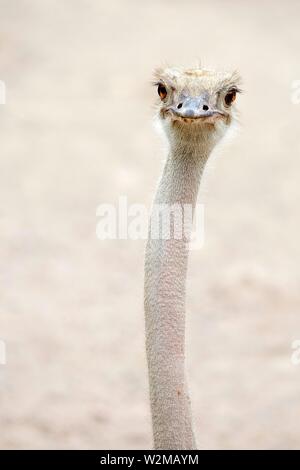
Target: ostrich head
(196,105)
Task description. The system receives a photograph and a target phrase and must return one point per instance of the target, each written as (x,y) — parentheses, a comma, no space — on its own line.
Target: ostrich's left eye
(162,91)
(230,97)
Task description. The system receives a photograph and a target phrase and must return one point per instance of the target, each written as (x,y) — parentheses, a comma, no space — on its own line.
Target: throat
(181,176)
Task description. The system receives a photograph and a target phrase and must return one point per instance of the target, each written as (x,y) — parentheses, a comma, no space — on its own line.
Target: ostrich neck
(165,279)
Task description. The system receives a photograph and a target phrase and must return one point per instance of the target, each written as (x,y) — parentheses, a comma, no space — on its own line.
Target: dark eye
(230,97)
(162,91)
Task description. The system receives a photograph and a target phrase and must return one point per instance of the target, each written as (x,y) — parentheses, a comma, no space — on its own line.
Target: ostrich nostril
(205,107)
(179,106)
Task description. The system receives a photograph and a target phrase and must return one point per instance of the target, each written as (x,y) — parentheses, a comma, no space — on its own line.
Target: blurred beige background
(77,131)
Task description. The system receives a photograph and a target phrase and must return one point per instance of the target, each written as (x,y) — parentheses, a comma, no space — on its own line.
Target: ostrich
(195,110)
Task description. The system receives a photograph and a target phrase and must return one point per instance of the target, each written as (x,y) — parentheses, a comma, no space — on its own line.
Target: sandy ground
(76,131)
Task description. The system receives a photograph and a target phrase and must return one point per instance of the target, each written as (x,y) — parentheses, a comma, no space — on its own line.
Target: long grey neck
(165,281)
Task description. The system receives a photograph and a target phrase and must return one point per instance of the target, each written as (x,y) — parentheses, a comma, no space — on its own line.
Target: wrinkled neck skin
(165,280)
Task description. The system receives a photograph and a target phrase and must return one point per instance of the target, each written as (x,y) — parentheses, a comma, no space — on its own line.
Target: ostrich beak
(196,108)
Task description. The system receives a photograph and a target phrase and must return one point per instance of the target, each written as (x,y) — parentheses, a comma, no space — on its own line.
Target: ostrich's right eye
(162,91)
